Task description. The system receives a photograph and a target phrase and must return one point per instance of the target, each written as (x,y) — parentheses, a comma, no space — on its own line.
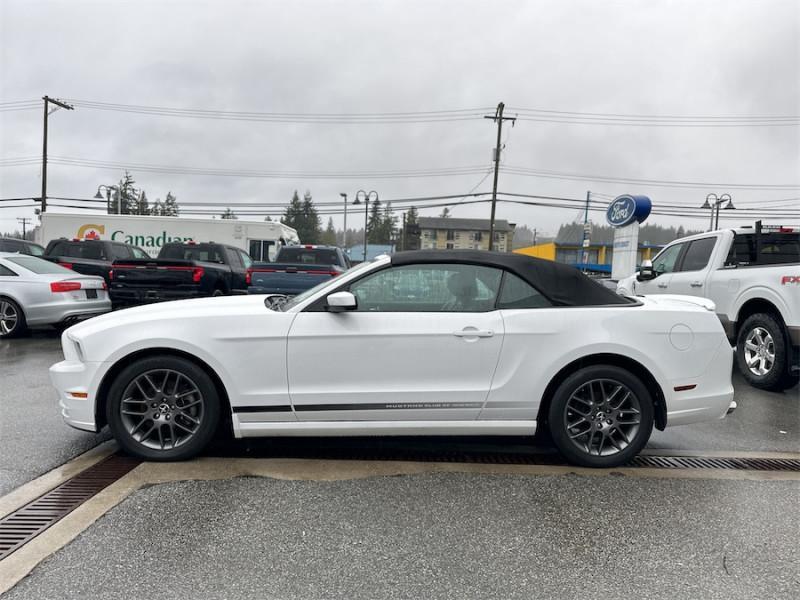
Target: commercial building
(450,233)
(569,250)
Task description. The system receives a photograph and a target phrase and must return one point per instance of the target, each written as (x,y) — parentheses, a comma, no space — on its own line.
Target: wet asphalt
(436,536)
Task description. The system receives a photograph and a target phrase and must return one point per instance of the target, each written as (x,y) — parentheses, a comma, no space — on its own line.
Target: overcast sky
(697,57)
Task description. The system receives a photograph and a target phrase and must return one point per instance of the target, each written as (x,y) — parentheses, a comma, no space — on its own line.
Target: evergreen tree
(412,216)
(313,227)
(328,237)
(388,224)
(375,224)
(170,206)
(157,209)
(124,197)
(445,213)
(140,206)
(228,214)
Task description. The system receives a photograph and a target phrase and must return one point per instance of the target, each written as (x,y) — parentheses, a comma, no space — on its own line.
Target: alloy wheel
(8,317)
(759,351)
(602,417)
(162,409)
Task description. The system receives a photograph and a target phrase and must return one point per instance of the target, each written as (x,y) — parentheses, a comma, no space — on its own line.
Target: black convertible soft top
(562,284)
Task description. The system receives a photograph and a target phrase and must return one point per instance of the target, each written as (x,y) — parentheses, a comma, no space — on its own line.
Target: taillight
(64,286)
(105,286)
(197,274)
(66,265)
(111,274)
(248,278)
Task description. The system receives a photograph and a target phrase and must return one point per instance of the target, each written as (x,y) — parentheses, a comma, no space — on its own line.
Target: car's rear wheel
(761,352)
(163,408)
(12,319)
(601,416)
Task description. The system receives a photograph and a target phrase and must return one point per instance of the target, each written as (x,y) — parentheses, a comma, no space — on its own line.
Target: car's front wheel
(163,408)
(601,416)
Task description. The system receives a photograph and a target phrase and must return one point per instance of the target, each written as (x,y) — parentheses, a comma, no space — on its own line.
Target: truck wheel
(12,319)
(761,352)
(217,292)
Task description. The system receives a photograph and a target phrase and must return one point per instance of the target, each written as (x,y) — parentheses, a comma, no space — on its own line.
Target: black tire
(120,424)
(8,330)
(217,292)
(774,379)
(626,437)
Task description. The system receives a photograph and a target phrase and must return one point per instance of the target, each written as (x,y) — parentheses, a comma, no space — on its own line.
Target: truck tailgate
(289,279)
(155,273)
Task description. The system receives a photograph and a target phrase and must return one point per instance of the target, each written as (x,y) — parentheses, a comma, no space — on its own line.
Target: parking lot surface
(436,536)
(33,437)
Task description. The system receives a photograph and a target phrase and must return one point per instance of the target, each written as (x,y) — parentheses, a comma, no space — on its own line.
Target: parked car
(499,345)
(753,278)
(296,269)
(20,246)
(182,270)
(35,293)
(90,257)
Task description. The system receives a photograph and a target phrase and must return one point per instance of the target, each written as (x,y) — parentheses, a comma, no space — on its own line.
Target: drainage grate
(731,464)
(27,522)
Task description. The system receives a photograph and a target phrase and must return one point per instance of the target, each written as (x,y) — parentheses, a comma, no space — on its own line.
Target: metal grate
(732,464)
(24,524)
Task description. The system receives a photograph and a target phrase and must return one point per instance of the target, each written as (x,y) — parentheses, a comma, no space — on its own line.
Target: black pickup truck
(91,257)
(182,270)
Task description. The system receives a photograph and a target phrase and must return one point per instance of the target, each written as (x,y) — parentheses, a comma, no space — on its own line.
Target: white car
(38,293)
(420,343)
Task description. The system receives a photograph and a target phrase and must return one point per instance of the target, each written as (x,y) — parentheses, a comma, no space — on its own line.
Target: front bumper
(72,379)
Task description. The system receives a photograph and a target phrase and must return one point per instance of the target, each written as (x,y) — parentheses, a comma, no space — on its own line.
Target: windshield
(40,266)
(325,284)
(309,256)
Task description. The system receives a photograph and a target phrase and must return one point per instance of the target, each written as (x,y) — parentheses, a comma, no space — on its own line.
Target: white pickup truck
(753,278)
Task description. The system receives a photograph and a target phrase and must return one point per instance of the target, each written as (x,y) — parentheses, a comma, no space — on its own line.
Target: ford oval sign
(626,209)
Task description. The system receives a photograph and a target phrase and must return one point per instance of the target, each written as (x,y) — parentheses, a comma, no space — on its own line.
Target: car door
(422,345)
(690,276)
(663,266)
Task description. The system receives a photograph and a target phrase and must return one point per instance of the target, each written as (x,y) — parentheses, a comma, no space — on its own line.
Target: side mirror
(646,272)
(341,301)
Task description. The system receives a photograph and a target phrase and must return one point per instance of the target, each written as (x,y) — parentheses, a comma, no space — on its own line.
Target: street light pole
(714,204)
(343,195)
(108,189)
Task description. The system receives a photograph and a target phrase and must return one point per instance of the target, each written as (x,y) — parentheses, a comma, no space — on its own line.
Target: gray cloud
(656,57)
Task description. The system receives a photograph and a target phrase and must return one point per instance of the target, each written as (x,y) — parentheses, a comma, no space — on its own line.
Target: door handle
(473,333)
(662,285)
(696,284)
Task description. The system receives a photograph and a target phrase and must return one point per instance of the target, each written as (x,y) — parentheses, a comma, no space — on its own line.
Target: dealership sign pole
(625,213)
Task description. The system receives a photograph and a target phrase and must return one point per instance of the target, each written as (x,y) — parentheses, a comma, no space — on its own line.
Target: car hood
(174,310)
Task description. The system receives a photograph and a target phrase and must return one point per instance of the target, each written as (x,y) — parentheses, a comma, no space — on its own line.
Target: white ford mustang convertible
(427,342)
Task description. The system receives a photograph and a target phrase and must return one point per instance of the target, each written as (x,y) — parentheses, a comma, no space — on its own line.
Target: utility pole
(403,236)
(48,100)
(497,118)
(24,221)
(584,243)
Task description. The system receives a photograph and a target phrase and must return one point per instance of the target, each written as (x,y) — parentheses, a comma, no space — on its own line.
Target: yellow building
(599,255)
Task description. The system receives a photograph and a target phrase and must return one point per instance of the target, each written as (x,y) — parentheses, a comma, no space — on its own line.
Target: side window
(139,253)
(743,250)
(665,261)
(6,272)
(698,254)
(246,260)
(517,293)
(120,251)
(779,248)
(58,249)
(429,288)
(34,250)
(234,259)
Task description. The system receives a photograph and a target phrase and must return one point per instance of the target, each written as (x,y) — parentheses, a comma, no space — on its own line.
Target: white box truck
(260,239)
